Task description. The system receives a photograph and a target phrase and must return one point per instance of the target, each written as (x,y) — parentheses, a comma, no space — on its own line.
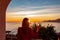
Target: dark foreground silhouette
(37,32)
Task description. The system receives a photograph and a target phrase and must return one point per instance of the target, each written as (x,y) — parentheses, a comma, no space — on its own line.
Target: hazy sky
(36,10)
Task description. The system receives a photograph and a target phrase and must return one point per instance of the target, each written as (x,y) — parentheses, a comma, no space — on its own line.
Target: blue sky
(30,8)
(15,3)
(33,3)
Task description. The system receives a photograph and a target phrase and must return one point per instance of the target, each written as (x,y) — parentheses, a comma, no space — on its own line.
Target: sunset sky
(35,10)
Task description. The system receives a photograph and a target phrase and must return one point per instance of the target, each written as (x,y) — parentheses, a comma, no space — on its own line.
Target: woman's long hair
(25,25)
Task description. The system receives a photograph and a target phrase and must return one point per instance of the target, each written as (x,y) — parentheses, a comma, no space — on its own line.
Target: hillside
(57,20)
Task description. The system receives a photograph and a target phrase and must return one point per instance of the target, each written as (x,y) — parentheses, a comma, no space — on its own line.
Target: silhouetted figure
(34,27)
(26,33)
(48,25)
(38,27)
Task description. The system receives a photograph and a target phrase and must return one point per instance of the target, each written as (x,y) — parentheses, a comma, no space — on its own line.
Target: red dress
(28,36)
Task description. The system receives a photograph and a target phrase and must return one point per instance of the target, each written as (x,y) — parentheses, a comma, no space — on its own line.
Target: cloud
(32,8)
(34,11)
(41,9)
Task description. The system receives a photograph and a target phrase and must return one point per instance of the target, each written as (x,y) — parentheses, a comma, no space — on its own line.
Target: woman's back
(27,35)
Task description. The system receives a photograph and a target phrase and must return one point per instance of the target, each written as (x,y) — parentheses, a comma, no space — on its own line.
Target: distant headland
(57,20)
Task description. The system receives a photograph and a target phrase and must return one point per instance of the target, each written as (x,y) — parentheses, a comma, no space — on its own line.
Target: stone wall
(3,7)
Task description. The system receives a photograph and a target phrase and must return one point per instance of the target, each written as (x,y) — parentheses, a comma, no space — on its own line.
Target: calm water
(13,26)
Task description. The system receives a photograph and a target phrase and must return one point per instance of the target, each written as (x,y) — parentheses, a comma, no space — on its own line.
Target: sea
(13,26)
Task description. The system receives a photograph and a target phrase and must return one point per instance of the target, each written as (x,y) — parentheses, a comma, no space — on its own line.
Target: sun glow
(34,15)
(11,17)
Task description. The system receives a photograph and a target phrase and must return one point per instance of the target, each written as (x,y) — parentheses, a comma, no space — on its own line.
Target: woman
(26,33)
